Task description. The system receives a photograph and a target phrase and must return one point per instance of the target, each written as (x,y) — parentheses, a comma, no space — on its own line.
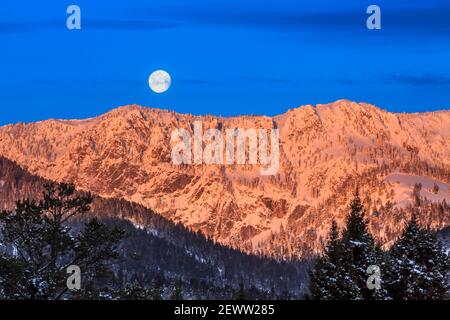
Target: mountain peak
(126,109)
(135,108)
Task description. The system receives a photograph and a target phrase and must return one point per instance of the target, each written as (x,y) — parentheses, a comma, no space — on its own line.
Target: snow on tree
(342,272)
(418,266)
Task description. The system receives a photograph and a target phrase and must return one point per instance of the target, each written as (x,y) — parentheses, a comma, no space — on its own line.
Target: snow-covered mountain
(326,151)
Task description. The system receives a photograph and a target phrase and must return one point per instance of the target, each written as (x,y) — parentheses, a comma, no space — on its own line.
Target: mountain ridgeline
(399,162)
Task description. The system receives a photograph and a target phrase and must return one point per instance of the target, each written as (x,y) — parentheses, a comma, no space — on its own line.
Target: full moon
(159,81)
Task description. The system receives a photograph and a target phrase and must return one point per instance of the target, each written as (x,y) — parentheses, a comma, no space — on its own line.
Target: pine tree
(324,280)
(418,266)
(358,253)
(342,272)
(43,245)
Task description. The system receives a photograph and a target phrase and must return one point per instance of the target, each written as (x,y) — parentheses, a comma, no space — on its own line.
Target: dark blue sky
(225,57)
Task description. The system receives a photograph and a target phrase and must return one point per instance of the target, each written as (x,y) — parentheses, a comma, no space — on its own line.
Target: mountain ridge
(157,109)
(325,151)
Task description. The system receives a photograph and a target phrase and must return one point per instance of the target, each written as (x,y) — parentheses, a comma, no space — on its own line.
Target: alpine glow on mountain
(326,152)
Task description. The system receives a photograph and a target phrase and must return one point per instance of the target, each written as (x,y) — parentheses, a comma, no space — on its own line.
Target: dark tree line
(40,246)
(415,268)
(39,240)
(156,253)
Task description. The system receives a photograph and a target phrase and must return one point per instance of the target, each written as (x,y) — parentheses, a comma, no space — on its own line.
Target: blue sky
(225,57)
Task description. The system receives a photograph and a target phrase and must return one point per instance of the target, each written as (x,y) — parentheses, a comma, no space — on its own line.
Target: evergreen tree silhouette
(324,279)
(43,245)
(418,266)
(341,273)
(359,252)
